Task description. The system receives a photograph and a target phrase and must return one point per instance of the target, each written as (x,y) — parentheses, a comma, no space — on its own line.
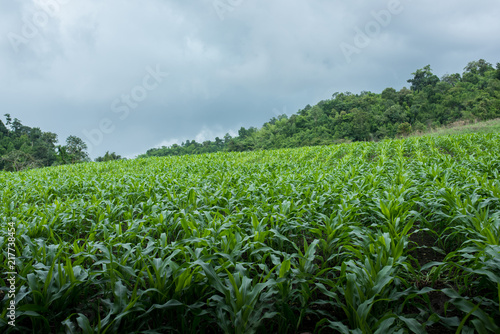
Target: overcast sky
(126,76)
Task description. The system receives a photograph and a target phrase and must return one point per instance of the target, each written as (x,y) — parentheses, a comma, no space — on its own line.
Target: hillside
(23,147)
(462,127)
(364,237)
(429,103)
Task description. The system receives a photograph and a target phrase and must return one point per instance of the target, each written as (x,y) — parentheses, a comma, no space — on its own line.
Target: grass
(316,239)
(463,127)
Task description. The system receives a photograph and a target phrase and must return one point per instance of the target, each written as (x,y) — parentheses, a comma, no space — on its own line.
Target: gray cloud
(264,57)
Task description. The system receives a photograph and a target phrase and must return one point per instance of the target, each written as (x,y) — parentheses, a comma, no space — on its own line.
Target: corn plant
(294,240)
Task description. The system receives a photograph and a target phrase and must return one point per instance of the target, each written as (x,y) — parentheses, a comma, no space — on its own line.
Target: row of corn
(322,239)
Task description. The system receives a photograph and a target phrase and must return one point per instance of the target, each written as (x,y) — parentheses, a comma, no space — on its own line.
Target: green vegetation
(108,157)
(22,147)
(395,236)
(430,103)
(461,127)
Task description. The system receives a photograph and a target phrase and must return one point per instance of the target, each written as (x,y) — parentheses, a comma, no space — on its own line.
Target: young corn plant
(241,306)
(259,241)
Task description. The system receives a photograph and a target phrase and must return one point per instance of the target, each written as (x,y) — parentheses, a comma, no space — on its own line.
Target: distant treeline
(23,147)
(430,102)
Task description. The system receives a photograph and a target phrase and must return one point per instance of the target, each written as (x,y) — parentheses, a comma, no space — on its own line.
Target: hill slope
(430,103)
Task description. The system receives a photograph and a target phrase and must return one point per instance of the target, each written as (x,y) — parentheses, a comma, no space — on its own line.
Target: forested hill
(429,102)
(24,147)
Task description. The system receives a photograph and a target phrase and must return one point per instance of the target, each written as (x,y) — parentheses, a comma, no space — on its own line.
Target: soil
(424,254)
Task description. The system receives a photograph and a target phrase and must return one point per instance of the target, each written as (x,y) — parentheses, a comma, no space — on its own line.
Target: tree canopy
(23,147)
(108,157)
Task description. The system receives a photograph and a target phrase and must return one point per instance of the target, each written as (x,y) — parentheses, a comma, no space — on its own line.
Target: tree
(422,78)
(404,129)
(62,155)
(316,112)
(396,114)
(3,129)
(361,124)
(43,147)
(18,160)
(8,118)
(405,96)
(479,67)
(17,126)
(76,149)
(475,70)
(419,127)
(451,79)
(227,138)
(25,147)
(108,157)
(219,143)
(389,94)
(242,133)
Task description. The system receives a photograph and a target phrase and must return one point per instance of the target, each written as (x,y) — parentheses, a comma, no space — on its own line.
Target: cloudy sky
(127,76)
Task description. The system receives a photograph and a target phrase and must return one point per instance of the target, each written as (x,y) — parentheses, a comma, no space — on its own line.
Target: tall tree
(108,157)
(16,161)
(422,78)
(76,149)
(479,67)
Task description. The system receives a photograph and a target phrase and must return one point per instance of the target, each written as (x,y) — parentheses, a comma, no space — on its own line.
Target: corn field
(400,236)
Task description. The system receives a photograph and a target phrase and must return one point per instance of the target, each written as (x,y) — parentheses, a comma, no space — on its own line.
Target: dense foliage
(108,157)
(23,147)
(353,238)
(430,102)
